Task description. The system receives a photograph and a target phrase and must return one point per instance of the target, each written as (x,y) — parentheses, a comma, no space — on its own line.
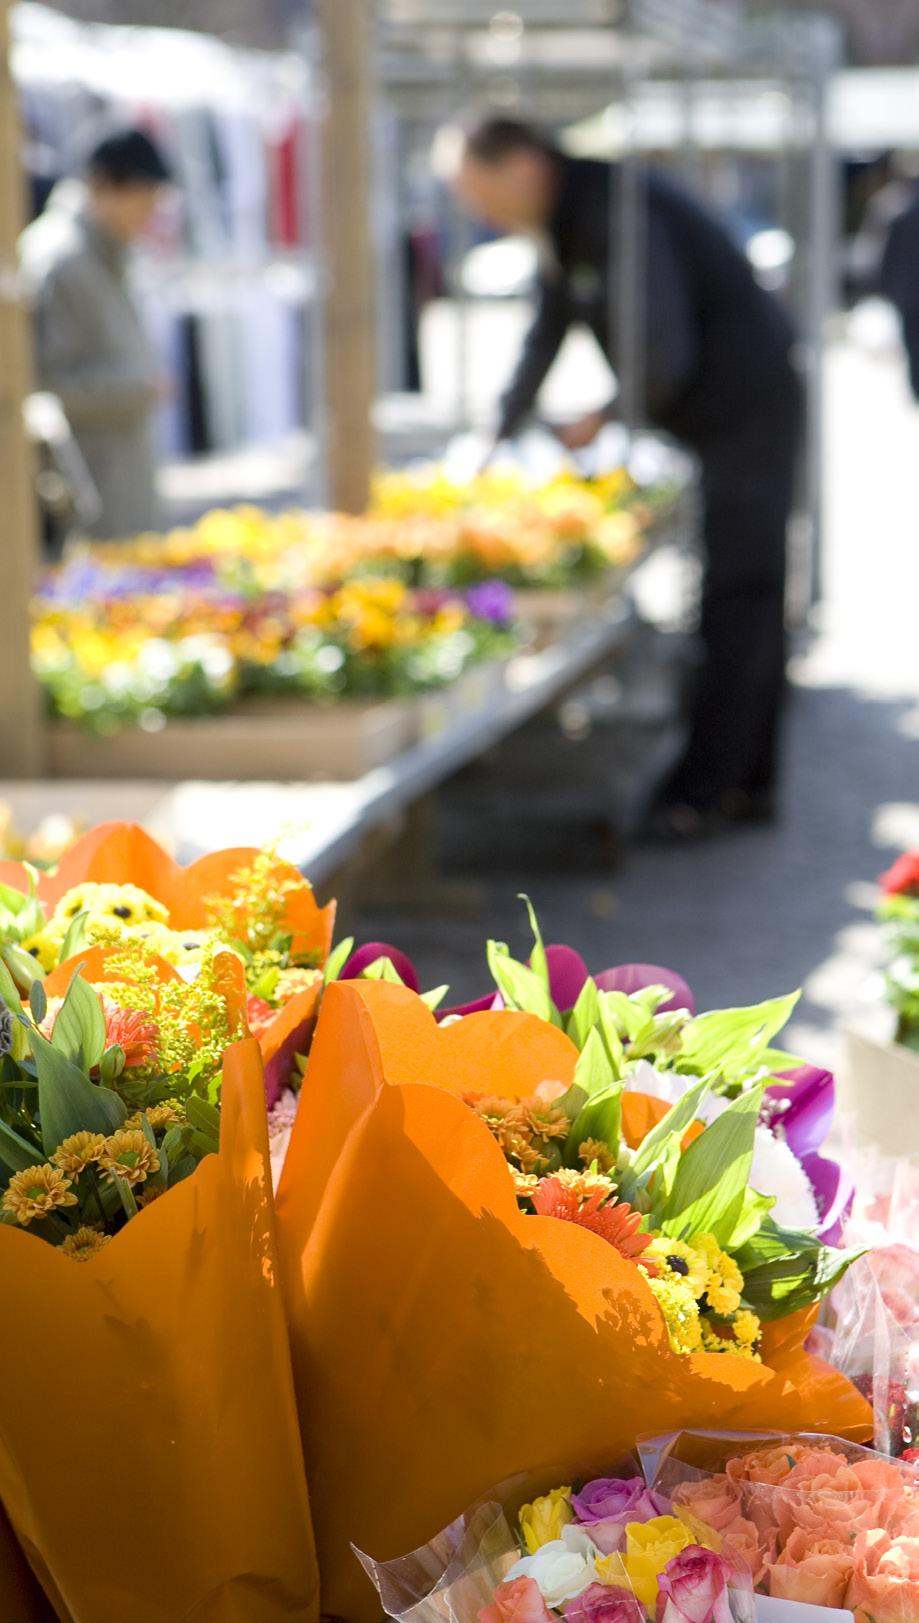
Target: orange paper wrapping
(150,1456)
(442,1340)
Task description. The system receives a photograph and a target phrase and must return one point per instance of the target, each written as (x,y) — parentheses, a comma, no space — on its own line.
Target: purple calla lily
(371,953)
(834,1192)
(802,1113)
(479,1005)
(567,974)
(630,978)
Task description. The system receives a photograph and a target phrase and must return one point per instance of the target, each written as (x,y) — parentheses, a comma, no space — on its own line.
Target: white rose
(563,1568)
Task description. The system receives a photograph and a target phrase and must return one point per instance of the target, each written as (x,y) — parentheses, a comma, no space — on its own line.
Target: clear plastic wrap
(609,1552)
(827,1527)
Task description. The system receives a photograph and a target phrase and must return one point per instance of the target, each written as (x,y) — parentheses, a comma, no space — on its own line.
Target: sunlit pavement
(756,913)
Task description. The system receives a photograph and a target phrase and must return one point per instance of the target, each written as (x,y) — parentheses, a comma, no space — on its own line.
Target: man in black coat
(718,377)
(899,281)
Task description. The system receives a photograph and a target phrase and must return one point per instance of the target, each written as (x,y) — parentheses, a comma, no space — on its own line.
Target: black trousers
(748,481)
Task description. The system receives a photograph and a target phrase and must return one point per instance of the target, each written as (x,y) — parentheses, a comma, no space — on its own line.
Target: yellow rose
(543,1520)
(649,1546)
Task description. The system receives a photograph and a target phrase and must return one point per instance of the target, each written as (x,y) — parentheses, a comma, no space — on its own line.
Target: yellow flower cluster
(699,1290)
(113,912)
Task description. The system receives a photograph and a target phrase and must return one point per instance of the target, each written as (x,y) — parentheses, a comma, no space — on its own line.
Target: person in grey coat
(91,347)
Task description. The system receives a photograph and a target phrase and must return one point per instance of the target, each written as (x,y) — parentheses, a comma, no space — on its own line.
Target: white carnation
(777,1171)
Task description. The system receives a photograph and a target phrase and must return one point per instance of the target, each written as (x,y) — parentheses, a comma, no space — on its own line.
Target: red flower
(903,878)
(575,1201)
(259,1015)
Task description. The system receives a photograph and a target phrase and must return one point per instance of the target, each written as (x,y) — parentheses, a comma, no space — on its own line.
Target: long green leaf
(609,1031)
(753,1213)
(601,1119)
(711,1179)
(519,986)
(67,1101)
(539,963)
(15,1152)
(592,1072)
(79,1030)
(797,1278)
(434,998)
(75,938)
(674,1125)
(337,959)
(735,1041)
(581,1020)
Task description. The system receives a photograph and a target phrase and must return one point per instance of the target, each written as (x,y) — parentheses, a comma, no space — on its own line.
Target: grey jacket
(93,353)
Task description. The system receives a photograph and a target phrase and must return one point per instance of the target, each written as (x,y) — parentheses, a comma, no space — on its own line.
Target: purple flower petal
(631,978)
(480,1005)
(567,974)
(371,953)
(834,1191)
(803,1113)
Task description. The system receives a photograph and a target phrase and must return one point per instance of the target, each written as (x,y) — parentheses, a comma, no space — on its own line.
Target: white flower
(777,1171)
(670,1088)
(563,1568)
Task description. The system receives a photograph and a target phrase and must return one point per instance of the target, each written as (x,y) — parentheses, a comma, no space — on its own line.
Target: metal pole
(21,729)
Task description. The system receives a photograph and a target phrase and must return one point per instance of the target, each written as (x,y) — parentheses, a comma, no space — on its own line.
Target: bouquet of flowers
(820,1522)
(116,889)
(610,1552)
(532,1236)
(899,910)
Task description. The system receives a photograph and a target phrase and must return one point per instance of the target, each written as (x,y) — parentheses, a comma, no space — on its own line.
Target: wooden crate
(880,1087)
(283,740)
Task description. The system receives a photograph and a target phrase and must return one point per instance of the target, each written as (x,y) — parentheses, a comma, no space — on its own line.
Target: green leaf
(612,1042)
(785,1270)
(24,969)
(337,959)
(67,1101)
(9,991)
(203,1116)
(15,1152)
(125,1195)
(632,1017)
(735,1041)
(38,1002)
(433,999)
(539,963)
(753,1213)
(21,914)
(672,1126)
(600,1118)
(75,939)
(581,1020)
(382,969)
(267,983)
(79,1030)
(593,1072)
(519,986)
(710,1183)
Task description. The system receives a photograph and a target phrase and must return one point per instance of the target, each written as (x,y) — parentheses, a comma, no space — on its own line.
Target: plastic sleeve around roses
(150,1455)
(452,1576)
(870,1339)
(468,1330)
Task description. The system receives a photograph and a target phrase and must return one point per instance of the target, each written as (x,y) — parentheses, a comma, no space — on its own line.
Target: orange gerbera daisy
(594,1209)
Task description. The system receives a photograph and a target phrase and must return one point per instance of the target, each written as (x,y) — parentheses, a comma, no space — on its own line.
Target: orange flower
(612,1219)
(133,1031)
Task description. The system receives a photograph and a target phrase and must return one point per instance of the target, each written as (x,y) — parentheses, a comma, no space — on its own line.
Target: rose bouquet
(611,1552)
(492,1326)
(899,910)
(821,1522)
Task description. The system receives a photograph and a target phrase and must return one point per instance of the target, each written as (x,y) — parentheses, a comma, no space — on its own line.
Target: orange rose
(751,1548)
(714,1502)
(815,1571)
(844,1501)
(517,1601)
(889,1594)
(771,1465)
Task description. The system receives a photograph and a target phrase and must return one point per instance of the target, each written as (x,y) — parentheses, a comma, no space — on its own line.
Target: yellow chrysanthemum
(680,1310)
(594,1150)
(79,1151)
(85,1243)
(163,1116)
(747,1328)
(32,1194)
(127,904)
(725,1280)
(682,1262)
(177,947)
(128,1155)
(714,1341)
(525,1183)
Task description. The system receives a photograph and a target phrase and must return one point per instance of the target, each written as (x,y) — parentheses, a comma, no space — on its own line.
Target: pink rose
(814,1570)
(715,1501)
(694,1588)
(749,1546)
(517,1601)
(603,1604)
(607,1504)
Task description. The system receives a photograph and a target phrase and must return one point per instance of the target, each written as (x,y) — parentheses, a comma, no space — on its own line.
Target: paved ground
(754,914)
